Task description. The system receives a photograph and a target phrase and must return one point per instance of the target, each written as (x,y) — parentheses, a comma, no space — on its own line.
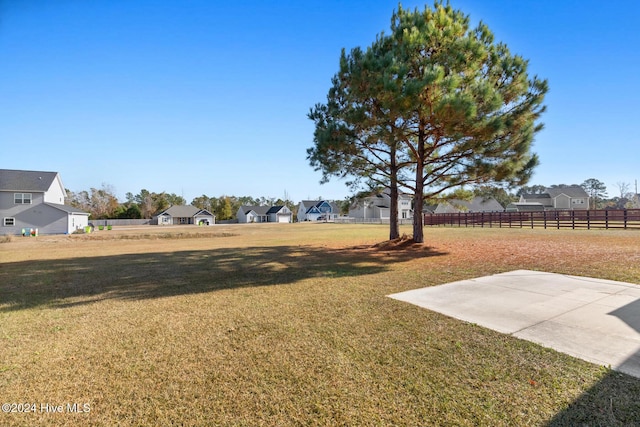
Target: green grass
(290,325)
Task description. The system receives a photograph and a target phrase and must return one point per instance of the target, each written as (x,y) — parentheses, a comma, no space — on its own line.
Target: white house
(377,206)
(280,214)
(313,210)
(186,214)
(35,200)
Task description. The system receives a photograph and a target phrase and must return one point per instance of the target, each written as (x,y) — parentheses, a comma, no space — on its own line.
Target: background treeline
(102,203)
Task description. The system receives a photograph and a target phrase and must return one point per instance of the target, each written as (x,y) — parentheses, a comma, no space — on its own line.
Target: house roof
(184,211)
(274,209)
(311,203)
(32,181)
(401,194)
(429,207)
(571,191)
(536,196)
(477,204)
(259,210)
(66,208)
(526,206)
(308,204)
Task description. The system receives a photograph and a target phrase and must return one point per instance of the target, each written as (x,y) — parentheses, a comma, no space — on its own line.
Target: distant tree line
(102,203)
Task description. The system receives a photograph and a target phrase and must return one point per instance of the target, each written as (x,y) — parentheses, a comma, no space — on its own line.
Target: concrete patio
(593,319)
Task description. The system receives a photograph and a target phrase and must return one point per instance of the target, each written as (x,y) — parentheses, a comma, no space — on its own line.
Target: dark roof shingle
(17,180)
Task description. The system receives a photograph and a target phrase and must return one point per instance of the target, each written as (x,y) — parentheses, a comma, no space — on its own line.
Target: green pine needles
(431,107)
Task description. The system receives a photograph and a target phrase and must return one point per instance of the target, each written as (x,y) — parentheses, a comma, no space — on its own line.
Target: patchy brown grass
(289,325)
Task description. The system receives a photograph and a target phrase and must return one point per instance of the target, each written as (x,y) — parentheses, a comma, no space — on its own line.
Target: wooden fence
(587,219)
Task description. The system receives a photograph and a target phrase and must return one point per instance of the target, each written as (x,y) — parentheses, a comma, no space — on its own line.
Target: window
(22,198)
(9,222)
(577,201)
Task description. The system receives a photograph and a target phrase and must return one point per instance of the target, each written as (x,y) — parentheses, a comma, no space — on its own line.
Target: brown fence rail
(588,219)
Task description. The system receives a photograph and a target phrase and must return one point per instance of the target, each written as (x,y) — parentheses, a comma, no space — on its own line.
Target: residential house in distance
(571,197)
(377,206)
(477,204)
(314,210)
(35,200)
(183,215)
(278,214)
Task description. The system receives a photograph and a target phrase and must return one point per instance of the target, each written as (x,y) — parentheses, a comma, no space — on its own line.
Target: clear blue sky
(210,97)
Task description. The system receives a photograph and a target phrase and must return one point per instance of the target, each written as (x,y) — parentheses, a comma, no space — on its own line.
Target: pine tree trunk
(394,230)
(418,221)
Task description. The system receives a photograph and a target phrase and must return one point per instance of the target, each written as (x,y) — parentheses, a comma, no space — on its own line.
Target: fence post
(606,219)
(588,219)
(544,217)
(624,215)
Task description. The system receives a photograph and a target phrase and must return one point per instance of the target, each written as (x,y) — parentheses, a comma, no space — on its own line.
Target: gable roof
(184,211)
(259,210)
(429,207)
(274,209)
(477,204)
(32,181)
(571,191)
(308,205)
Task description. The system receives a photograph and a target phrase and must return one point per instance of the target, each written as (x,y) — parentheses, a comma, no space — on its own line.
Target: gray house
(281,214)
(183,215)
(477,204)
(570,197)
(35,200)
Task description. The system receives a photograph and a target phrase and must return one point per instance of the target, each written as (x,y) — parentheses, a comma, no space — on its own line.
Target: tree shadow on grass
(82,280)
(612,401)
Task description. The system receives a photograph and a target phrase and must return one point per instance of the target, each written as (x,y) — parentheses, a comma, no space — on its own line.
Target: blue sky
(209,97)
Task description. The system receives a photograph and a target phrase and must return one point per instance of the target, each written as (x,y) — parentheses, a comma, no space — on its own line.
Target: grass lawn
(283,325)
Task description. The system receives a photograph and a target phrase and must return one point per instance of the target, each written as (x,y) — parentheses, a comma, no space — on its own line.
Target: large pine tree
(450,103)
